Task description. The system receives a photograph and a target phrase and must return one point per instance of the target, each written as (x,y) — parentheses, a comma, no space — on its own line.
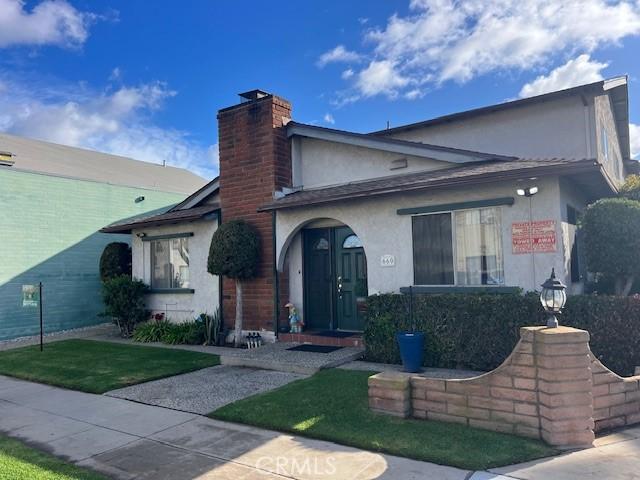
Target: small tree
(612,240)
(631,187)
(234,253)
(124,302)
(115,260)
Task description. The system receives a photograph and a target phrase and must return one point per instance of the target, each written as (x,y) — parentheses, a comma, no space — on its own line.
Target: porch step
(352,341)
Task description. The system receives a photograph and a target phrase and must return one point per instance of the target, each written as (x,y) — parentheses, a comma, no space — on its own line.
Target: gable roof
(457,176)
(617,87)
(198,196)
(188,215)
(32,155)
(405,147)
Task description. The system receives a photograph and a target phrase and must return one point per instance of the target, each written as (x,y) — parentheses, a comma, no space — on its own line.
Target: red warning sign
(536,237)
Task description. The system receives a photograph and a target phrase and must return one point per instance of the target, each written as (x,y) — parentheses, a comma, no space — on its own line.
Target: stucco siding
(322,163)
(544,130)
(49,231)
(605,122)
(180,306)
(384,232)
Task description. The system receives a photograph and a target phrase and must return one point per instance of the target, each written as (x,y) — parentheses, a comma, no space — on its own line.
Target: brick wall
(616,400)
(255,161)
(546,389)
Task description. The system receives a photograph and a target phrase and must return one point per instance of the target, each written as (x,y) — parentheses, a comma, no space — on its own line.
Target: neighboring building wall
(608,151)
(180,306)
(384,232)
(49,234)
(324,163)
(548,129)
(255,161)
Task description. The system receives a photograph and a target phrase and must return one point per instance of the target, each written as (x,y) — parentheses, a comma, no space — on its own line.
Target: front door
(335,279)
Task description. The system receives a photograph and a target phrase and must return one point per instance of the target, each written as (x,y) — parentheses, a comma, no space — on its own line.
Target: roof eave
(129,227)
(416,149)
(448,183)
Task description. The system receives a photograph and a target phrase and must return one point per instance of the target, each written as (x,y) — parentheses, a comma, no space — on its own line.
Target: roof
(188,215)
(198,196)
(616,86)
(469,174)
(438,152)
(61,160)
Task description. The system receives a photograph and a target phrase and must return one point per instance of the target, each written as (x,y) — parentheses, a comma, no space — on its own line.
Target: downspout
(276,278)
(220,294)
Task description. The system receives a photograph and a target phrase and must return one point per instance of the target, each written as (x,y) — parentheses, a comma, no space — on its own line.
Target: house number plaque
(387,261)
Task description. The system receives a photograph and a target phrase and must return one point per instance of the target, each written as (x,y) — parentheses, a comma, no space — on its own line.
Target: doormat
(333,333)
(314,348)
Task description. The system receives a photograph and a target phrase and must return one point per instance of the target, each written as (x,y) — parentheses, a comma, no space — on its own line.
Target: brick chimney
(255,161)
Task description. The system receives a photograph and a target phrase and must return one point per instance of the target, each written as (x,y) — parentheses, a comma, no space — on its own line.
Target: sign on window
(536,237)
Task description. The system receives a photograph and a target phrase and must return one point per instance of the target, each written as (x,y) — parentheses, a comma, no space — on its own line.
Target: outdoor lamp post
(553,297)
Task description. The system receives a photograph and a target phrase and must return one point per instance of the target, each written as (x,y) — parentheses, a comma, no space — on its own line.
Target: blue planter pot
(411,350)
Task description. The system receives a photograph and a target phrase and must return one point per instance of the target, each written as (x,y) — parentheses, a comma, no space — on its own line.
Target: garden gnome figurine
(295,324)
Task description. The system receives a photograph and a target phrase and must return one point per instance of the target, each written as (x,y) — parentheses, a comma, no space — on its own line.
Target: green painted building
(54,201)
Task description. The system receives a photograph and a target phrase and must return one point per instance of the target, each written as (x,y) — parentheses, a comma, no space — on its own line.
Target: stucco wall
(49,231)
(384,232)
(181,306)
(327,163)
(550,129)
(604,121)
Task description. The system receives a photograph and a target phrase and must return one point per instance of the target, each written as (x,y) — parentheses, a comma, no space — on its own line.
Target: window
(170,263)
(458,248)
(352,241)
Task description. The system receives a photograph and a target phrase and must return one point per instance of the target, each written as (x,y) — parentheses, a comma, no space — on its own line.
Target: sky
(145,79)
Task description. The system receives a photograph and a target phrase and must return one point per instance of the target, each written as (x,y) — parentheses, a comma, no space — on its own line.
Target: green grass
(332,405)
(19,462)
(97,367)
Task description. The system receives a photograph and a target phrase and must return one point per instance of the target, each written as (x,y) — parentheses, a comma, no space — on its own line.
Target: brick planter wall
(551,387)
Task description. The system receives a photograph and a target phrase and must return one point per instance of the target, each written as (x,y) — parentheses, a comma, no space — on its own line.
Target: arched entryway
(334,278)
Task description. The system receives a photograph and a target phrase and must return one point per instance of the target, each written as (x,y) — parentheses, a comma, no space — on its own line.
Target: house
(54,201)
(482,200)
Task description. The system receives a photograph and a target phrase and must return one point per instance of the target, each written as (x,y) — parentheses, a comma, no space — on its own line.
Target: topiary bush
(478,332)
(611,230)
(124,302)
(115,260)
(235,253)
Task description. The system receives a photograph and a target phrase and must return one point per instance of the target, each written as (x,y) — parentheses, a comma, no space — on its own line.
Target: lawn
(332,405)
(19,462)
(97,367)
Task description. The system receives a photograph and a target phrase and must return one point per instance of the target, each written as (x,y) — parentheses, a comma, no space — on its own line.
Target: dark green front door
(335,279)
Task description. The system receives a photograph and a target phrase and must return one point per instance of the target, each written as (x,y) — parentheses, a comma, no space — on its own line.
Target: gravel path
(205,390)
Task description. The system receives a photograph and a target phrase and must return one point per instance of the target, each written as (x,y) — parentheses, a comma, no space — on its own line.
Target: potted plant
(411,343)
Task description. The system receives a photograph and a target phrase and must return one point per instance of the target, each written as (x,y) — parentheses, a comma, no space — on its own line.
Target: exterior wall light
(139,199)
(553,297)
(527,192)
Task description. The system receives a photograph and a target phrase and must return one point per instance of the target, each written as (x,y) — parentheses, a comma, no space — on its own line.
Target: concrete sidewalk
(127,440)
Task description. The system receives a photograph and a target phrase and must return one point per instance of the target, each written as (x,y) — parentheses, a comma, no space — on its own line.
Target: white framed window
(169,263)
(463,247)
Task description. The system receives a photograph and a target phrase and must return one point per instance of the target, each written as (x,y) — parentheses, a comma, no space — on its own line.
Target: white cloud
(328,118)
(575,72)
(441,40)
(634,133)
(114,121)
(380,77)
(347,74)
(52,22)
(338,54)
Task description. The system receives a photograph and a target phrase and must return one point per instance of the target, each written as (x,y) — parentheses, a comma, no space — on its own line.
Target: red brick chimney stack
(255,161)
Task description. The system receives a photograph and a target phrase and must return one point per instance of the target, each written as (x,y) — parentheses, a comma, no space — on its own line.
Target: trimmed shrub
(115,260)
(478,332)
(124,302)
(611,229)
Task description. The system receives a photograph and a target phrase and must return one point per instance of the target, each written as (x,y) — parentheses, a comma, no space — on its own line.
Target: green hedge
(479,331)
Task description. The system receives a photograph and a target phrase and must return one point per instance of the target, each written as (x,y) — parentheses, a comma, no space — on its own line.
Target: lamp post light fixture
(553,297)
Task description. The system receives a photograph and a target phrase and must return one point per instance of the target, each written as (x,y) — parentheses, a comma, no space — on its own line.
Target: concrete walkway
(127,440)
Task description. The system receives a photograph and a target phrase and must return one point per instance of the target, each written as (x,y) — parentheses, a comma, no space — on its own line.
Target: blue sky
(145,79)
